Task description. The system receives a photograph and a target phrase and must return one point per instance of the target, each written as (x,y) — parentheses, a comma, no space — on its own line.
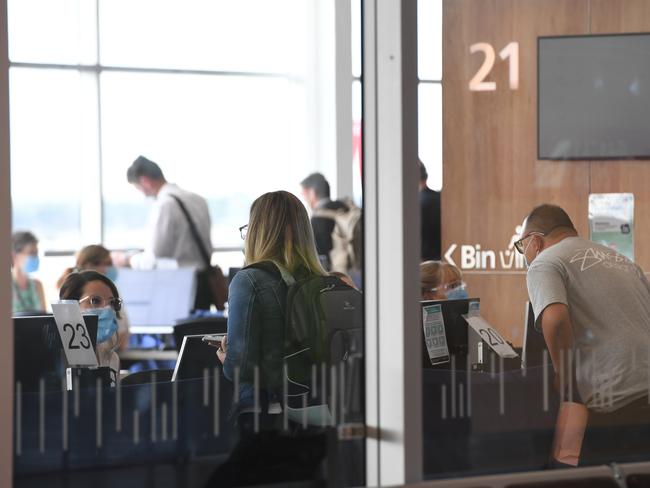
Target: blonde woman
(441,281)
(278,232)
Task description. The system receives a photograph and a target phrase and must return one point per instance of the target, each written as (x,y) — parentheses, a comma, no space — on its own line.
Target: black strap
(195,233)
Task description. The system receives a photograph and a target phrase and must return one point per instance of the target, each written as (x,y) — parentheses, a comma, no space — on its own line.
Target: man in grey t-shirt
(593,306)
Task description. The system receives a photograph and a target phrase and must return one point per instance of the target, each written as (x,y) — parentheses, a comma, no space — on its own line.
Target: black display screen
(594,97)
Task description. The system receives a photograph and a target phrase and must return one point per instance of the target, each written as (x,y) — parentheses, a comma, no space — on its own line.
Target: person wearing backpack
(277,236)
(316,192)
(337,226)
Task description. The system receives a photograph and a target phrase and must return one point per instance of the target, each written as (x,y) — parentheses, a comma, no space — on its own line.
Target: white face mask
(526,259)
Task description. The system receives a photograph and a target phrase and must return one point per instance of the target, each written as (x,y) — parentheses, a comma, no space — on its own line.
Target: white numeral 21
(511,52)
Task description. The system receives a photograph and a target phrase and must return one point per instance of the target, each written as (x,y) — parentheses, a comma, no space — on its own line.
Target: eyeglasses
(461,285)
(519,245)
(243,231)
(97,301)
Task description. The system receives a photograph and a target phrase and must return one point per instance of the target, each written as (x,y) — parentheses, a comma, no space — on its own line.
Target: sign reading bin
(74,334)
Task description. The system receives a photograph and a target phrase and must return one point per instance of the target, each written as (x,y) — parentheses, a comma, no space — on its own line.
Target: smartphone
(213,339)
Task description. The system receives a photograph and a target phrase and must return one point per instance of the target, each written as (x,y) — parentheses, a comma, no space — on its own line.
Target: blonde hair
(88,258)
(433,274)
(279,231)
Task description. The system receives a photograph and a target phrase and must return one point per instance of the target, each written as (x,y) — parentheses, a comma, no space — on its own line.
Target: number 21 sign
(74,334)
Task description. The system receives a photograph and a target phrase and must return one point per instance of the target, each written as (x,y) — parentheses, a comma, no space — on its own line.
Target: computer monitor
(194,357)
(534,344)
(38,352)
(232,272)
(453,330)
(155,299)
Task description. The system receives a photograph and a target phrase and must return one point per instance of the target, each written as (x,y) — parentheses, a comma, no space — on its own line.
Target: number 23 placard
(74,334)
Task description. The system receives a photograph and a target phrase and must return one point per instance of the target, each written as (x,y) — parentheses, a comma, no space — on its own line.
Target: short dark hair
(318,183)
(423,172)
(144,167)
(546,217)
(21,239)
(73,285)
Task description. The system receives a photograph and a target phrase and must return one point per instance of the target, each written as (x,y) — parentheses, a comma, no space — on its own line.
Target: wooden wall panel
(491,174)
(617,16)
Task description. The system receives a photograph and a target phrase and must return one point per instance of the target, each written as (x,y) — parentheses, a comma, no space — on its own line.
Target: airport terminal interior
(325,243)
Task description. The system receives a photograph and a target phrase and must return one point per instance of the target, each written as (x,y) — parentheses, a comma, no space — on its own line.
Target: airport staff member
(592,305)
(171,234)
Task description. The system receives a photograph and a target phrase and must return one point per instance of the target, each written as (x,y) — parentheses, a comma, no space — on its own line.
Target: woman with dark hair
(96,257)
(98,295)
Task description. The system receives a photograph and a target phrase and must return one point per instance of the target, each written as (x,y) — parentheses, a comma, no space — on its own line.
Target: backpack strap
(275,269)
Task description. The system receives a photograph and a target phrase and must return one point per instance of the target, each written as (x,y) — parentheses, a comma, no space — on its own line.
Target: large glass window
(46,133)
(430,89)
(223,137)
(233,99)
(217,93)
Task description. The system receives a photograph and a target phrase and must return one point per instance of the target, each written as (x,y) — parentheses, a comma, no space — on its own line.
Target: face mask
(111,273)
(458,293)
(525,258)
(31,264)
(107,325)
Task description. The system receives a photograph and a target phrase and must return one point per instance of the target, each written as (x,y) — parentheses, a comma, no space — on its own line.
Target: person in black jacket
(316,192)
(430,219)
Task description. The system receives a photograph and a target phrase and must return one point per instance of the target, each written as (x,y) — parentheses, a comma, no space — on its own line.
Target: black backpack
(323,349)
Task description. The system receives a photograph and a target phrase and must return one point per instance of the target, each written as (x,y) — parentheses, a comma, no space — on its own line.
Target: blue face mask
(107,325)
(31,264)
(111,273)
(459,293)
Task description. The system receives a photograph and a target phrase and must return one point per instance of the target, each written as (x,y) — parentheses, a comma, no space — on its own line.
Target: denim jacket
(256,314)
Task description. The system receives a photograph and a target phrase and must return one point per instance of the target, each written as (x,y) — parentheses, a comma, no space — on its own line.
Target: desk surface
(144,354)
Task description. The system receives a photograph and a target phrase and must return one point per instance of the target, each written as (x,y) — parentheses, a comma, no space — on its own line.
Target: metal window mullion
(6,333)
(344,77)
(90,170)
(392,242)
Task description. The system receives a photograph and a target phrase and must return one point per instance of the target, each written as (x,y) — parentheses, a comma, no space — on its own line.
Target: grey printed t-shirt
(609,303)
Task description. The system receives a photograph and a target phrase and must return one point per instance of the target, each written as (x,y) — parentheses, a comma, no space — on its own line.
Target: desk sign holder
(74,334)
(490,336)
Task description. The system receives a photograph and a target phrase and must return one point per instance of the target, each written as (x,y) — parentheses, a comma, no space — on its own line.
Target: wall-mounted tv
(593,96)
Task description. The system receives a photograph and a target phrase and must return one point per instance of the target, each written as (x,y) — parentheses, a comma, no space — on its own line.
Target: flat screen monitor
(38,352)
(594,97)
(155,299)
(194,357)
(451,333)
(532,354)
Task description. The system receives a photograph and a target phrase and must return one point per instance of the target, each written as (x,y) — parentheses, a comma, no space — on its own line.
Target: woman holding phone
(278,234)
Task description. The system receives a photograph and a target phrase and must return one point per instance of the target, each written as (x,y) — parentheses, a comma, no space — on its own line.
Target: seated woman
(278,232)
(97,258)
(98,295)
(28,295)
(441,281)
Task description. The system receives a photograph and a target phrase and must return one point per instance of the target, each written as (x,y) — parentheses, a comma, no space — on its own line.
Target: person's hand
(221,352)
